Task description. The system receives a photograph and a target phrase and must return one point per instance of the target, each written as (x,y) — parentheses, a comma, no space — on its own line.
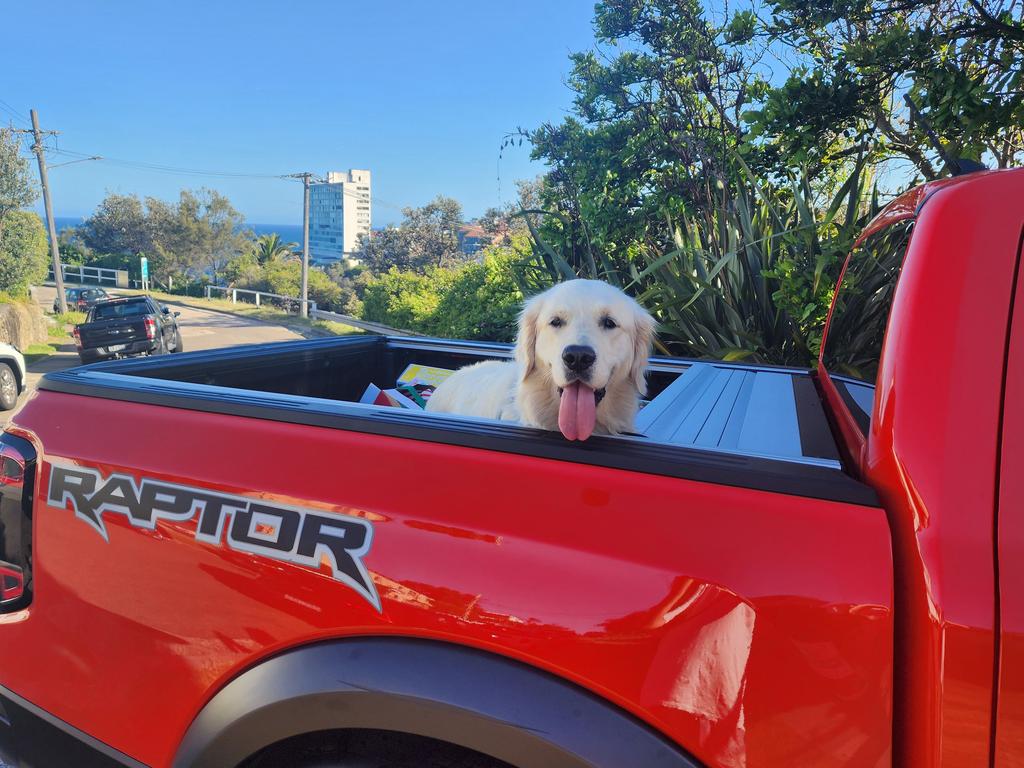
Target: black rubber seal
(138,381)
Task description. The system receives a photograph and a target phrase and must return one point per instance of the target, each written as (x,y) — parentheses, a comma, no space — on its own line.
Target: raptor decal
(291,534)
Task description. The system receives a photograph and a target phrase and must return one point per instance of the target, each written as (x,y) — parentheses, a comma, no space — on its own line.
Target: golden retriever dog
(580,361)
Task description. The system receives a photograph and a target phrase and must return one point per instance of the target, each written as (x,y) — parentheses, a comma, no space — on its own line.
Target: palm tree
(268,248)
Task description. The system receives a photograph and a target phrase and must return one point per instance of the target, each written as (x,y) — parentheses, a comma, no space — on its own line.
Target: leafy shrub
(23,253)
(748,276)
(282,276)
(477,301)
(405,300)
(481,301)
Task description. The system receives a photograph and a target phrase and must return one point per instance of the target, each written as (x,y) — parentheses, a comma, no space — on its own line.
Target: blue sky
(418,92)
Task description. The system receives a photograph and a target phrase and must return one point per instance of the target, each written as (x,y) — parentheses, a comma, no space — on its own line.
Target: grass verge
(36,352)
(71,317)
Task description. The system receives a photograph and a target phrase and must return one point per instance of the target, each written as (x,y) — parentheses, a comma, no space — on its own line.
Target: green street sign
(145,267)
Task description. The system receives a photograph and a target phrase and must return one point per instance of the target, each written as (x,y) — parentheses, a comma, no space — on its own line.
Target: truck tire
(8,388)
(369,749)
(177,342)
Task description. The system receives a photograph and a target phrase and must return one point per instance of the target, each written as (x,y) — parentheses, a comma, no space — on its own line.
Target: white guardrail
(291,304)
(75,273)
(284,302)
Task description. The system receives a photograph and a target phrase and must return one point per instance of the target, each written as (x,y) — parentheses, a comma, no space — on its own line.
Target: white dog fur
(588,313)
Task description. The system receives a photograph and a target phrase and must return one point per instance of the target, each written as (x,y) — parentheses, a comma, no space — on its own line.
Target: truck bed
(756,426)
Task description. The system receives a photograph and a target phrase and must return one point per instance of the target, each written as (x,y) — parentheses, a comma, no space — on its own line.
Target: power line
(176,170)
(20,116)
(161,168)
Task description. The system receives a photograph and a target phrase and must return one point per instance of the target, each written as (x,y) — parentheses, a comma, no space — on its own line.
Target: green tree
(962,61)
(657,115)
(478,300)
(503,222)
(405,300)
(197,235)
(118,226)
(385,249)
(267,248)
(23,253)
(427,237)
(352,282)
(482,300)
(244,271)
(725,196)
(73,249)
(16,188)
(200,234)
(285,277)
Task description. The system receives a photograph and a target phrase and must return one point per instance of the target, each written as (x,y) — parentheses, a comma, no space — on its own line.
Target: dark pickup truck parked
(137,325)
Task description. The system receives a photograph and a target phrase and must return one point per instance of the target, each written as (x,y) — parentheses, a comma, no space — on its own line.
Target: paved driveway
(200,329)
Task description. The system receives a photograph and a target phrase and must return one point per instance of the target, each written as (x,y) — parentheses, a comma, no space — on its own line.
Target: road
(200,329)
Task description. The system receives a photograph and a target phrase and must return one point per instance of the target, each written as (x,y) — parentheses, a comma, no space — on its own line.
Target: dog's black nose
(578,358)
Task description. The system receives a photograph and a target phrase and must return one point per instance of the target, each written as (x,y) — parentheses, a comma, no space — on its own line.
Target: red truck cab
(221,558)
(939,448)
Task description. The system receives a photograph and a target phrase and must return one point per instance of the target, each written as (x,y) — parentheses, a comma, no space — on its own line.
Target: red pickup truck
(222,558)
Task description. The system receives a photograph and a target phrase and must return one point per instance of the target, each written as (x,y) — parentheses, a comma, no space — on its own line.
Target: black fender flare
(482,701)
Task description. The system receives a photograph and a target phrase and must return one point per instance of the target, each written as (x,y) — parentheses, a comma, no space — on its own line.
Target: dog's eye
(607,322)
(556,322)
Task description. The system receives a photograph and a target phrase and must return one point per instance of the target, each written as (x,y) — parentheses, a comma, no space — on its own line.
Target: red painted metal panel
(931,454)
(752,628)
(1009,732)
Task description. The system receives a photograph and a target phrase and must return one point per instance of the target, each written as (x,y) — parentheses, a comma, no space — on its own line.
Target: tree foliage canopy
(23,245)
(427,237)
(718,160)
(23,253)
(16,187)
(959,60)
(198,234)
(479,300)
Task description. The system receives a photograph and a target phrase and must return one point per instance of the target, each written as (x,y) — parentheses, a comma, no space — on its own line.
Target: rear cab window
(853,345)
(127,309)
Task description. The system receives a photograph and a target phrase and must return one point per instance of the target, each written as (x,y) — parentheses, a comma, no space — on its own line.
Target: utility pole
(307,179)
(304,307)
(37,147)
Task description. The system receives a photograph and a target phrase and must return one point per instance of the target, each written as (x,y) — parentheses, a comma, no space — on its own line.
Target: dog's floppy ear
(526,339)
(643,335)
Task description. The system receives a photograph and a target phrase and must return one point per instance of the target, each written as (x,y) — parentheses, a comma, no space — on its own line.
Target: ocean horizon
(290,233)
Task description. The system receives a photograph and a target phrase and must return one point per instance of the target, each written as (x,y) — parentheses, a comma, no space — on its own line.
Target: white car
(12,376)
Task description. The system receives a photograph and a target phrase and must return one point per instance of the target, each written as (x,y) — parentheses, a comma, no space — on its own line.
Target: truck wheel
(177,342)
(8,388)
(368,749)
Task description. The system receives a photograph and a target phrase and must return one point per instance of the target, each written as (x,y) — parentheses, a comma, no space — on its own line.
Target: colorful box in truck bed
(222,558)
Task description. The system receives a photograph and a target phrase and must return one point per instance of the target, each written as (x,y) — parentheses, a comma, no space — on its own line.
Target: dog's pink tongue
(577,411)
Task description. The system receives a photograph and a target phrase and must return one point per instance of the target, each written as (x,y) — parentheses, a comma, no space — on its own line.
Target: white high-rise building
(339,213)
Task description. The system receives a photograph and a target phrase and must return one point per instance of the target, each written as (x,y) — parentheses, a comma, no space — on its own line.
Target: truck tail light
(78,337)
(12,583)
(150,327)
(17,482)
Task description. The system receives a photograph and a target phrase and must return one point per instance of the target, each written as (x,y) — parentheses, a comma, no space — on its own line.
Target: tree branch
(1007,30)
